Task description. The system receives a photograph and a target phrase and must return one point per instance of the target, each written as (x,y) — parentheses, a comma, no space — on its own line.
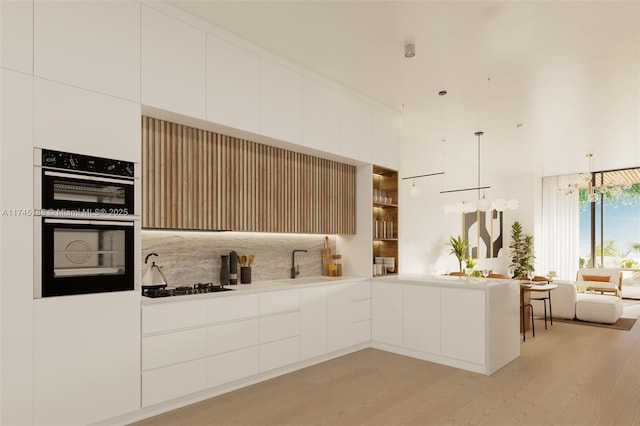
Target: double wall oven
(86,227)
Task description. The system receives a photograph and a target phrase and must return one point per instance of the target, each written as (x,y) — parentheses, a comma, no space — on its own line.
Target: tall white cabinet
(75,43)
(86,364)
(173,64)
(233,85)
(280,102)
(16,36)
(16,248)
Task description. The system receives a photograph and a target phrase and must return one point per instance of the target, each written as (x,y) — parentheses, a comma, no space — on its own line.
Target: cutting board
(326,257)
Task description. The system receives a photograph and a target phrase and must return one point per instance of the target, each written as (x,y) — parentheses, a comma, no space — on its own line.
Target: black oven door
(86,256)
(96,194)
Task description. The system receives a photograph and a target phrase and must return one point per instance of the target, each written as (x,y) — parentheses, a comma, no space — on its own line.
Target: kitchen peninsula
(462,322)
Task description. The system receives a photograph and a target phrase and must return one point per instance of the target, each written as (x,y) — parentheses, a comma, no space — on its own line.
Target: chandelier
(612,187)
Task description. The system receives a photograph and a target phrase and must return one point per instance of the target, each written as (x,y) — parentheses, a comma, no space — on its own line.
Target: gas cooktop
(199,288)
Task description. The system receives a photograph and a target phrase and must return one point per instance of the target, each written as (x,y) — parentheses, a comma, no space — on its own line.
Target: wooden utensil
(243,260)
(251,257)
(326,257)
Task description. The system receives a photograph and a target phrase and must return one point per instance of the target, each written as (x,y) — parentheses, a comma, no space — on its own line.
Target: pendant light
(482,203)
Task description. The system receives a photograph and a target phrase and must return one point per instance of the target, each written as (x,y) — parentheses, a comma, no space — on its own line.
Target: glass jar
(335,266)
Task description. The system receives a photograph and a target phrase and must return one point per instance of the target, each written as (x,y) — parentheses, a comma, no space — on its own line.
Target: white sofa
(563,301)
(609,280)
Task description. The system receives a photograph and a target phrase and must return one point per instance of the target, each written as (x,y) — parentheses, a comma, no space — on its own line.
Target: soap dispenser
(154,276)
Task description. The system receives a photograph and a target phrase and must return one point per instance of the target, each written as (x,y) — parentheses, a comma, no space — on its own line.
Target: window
(610,219)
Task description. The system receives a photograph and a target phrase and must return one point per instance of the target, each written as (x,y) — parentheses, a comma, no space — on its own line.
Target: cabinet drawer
(361,331)
(171,348)
(361,310)
(359,291)
(231,336)
(280,353)
(279,327)
(230,308)
(172,382)
(173,316)
(232,366)
(279,301)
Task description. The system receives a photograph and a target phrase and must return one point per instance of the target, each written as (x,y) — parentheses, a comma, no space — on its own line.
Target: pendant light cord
(478,134)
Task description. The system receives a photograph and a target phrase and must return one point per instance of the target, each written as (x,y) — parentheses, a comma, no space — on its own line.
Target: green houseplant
(521,251)
(458,247)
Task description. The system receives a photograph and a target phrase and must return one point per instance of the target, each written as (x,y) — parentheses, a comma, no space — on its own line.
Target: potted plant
(470,264)
(458,247)
(521,251)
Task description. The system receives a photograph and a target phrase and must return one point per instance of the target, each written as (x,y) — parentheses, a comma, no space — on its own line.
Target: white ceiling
(568,71)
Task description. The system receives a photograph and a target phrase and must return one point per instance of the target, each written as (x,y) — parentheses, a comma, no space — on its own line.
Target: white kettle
(153,276)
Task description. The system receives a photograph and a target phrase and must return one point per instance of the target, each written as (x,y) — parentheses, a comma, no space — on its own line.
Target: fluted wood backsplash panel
(196,179)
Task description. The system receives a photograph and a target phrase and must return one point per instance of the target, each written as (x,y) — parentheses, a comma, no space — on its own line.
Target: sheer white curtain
(559,249)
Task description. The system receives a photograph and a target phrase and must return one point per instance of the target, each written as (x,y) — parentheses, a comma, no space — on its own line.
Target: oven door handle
(88,177)
(88,222)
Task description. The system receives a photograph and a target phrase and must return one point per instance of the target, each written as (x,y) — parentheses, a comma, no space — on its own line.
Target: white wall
(424,226)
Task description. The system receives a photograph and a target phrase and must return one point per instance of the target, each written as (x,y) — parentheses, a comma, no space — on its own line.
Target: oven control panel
(86,163)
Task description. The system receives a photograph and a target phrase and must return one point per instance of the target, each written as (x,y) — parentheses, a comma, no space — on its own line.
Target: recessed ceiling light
(409,50)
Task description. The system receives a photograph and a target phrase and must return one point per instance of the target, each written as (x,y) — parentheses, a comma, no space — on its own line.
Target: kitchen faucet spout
(295,270)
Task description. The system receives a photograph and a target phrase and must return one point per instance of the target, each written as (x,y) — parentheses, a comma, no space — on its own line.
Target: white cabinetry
(233,85)
(173,64)
(193,345)
(355,129)
(386,324)
(232,308)
(348,325)
(174,316)
(167,349)
(70,119)
(92,45)
(313,322)
(16,36)
(463,334)
(184,344)
(473,326)
(174,381)
(87,357)
(320,116)
(231,366)
(279,329)
(384,138)
(421,318)
(16,247)
(280,102)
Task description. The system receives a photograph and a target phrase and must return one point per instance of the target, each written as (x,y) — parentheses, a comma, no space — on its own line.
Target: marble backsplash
(188,257)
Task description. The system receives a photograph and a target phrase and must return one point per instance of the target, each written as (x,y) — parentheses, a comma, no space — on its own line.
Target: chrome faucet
(295,269)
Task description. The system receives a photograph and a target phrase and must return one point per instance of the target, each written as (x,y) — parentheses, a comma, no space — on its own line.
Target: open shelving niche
(385,214)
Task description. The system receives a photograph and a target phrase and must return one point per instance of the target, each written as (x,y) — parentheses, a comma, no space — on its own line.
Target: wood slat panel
(196,179)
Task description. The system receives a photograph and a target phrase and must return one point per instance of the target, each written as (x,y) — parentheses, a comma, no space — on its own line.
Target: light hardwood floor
(567,375)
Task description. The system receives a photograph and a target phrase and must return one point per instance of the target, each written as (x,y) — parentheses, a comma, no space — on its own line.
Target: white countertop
(446,281)
(258,287)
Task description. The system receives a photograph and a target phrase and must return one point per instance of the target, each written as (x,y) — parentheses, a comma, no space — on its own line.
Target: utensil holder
(245,275)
